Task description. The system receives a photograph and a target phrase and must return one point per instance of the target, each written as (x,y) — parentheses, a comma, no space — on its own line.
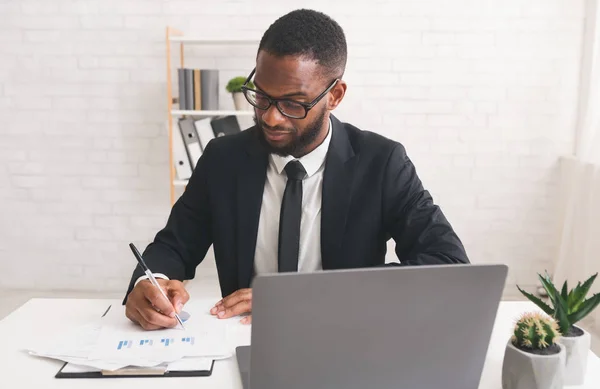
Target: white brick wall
(482,94)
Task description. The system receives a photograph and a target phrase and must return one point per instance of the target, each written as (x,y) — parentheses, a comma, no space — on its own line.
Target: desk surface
(39,317)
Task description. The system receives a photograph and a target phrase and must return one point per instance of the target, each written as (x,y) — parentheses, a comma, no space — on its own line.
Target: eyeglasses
(290,108)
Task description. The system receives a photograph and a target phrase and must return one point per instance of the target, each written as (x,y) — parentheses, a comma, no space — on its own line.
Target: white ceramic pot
(240,102)
(523,370)
(577,349)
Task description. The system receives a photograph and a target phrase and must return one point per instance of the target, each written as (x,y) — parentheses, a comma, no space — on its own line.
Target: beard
(299,142)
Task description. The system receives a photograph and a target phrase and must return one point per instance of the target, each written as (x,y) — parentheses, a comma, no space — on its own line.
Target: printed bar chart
(150,343)
(189,340)
(124,343)
(167,341)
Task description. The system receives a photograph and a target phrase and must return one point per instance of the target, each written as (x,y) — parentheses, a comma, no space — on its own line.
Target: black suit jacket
(371,193)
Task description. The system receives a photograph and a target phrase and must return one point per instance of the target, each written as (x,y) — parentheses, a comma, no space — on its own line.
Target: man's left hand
(237,303)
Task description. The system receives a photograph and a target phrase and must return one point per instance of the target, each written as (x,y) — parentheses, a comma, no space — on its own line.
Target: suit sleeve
(182,244)
(422,233)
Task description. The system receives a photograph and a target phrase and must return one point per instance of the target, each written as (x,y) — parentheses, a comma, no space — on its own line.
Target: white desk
(39,317)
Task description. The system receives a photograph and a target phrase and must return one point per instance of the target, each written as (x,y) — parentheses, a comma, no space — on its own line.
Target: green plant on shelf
(235,84)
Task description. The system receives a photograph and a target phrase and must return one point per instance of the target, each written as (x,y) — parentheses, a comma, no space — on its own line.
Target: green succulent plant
(235,84)
(535,331)
(567,307)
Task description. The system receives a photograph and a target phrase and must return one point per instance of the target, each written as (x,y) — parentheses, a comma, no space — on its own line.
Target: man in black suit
(299,191)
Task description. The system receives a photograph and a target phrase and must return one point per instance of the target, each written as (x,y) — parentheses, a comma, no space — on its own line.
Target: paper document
(122,340)
(114,342)
(190,364)
(75,346)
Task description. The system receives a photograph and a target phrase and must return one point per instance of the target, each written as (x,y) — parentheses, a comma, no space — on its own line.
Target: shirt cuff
(144,277)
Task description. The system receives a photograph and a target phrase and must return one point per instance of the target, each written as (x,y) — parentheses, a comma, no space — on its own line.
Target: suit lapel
(250,186)
(337,191)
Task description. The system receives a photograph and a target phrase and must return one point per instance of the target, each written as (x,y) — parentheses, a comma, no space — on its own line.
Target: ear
(336,95)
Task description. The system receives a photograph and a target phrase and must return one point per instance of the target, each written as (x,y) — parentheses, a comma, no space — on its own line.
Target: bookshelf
(177,39)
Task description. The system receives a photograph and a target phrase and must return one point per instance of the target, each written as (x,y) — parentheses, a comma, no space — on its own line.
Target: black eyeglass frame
(307,106)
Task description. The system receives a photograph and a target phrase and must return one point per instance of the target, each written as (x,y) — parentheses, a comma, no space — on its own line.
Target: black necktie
(289,219)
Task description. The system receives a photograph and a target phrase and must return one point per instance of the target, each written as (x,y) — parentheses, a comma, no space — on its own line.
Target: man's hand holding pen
(147,307)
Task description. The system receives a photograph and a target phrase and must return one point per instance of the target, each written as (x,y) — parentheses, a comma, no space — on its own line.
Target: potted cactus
(234,86)
(533,358)
(568,307)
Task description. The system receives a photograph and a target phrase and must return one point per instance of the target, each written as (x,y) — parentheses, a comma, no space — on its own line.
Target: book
(181,85)
(198,89)
(189,89)
(209,93)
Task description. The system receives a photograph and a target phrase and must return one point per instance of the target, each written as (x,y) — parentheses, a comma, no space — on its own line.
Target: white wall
(482,94)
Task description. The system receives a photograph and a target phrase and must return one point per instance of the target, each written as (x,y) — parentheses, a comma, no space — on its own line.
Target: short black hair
(310,34)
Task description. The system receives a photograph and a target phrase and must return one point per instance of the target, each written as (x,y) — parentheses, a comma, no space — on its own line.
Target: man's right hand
(147,307)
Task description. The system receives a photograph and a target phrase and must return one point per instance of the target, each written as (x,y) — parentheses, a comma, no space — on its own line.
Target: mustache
(264,127)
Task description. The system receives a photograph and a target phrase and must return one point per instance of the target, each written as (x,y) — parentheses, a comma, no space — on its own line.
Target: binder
(245,121)
(190,139)
(205,131)
(183,166)
(132,373)
(225,125)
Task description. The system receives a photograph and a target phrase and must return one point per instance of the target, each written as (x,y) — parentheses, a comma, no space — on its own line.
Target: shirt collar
(311,161)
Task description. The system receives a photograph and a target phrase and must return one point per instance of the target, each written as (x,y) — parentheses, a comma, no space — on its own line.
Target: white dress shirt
(309,257)
(267,240)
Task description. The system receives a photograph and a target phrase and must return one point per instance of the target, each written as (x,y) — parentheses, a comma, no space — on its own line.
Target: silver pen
(140,260)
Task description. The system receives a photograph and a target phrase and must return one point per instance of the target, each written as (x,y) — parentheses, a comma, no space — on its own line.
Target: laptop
(417,327)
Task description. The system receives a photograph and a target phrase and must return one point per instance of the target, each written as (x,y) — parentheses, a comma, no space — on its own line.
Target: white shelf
(204,41)
(211,113)
(180,182)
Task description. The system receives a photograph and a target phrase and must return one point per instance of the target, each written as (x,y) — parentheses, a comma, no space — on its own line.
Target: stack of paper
(113,341)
